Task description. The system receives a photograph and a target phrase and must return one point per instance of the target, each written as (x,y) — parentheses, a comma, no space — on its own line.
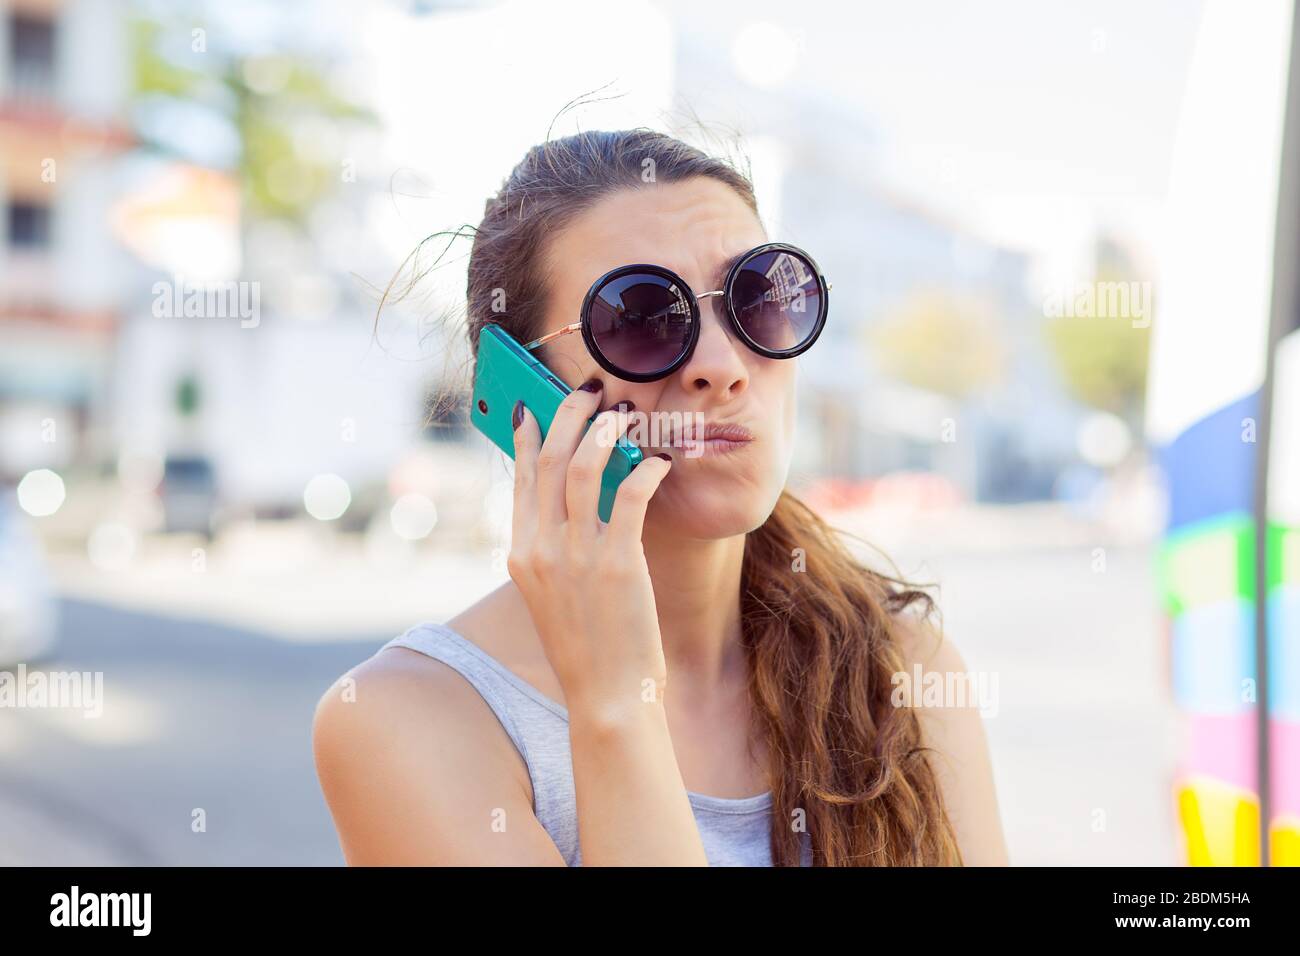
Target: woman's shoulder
(396,694)
(405,748)
(400,677)
(950,702)
(922,641)
(401,694)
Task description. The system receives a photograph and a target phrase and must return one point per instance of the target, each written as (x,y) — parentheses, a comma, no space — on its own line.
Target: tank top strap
(537,725)
(735,831)
(495,684)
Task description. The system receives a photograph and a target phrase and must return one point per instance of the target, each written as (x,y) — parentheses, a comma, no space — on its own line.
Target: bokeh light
(41,492)
(326,497)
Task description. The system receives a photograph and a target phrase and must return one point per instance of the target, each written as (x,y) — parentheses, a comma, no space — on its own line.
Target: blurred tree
(942,343)
(187,396)
(282,108)
(1103,340)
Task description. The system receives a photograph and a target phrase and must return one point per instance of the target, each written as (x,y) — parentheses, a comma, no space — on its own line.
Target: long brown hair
(820,629)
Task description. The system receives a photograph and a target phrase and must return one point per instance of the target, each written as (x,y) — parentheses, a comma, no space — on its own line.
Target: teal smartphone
(504,372)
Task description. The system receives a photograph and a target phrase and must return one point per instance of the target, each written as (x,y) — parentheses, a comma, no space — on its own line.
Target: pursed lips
(713,439)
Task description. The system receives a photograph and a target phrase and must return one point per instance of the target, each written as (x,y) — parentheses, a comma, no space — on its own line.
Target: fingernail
(591,385)
(664,454)
(517,416)
(623,406)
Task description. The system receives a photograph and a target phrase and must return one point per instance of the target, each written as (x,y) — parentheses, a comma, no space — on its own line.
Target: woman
(707,679)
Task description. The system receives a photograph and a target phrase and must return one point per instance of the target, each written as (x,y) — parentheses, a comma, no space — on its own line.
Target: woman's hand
(586,583)
(588,591)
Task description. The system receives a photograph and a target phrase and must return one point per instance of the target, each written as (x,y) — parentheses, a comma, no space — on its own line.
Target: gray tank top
(734,831)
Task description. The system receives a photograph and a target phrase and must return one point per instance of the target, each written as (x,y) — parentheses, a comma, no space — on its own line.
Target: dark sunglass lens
(777,300)
(641,322)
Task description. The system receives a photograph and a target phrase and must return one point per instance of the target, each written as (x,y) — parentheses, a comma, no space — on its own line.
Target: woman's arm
(588,590)
(960,754)
(417,770)
(632,804)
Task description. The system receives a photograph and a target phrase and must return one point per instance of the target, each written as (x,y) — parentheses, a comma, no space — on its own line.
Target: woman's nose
(717,362)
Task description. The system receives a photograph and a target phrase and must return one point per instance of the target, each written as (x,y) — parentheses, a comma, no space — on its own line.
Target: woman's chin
(711,512)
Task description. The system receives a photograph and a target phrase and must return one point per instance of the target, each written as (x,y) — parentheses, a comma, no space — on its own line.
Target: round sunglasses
(641,322)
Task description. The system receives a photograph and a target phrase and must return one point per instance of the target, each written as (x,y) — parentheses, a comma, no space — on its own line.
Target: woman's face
(692,227)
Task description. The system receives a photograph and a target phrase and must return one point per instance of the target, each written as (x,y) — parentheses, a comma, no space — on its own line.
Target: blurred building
(816,168)
(1003,440)
(273,377)
(62,130)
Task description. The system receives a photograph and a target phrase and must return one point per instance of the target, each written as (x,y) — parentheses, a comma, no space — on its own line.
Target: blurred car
(913,489)
(189,494)
(28,608)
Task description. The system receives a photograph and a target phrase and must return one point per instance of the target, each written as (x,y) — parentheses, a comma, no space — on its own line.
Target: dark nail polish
(664,454)
(623,406)
(591,385)
(517,416)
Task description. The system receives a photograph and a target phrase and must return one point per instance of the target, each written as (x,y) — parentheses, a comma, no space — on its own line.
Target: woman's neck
(697,596)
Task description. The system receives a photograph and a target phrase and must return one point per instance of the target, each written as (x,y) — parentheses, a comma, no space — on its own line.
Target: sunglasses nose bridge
(717,293)
(725,324)
(709,295)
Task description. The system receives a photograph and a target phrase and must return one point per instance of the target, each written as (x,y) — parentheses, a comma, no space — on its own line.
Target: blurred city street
(197,716)
(201,713)
(245,262)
